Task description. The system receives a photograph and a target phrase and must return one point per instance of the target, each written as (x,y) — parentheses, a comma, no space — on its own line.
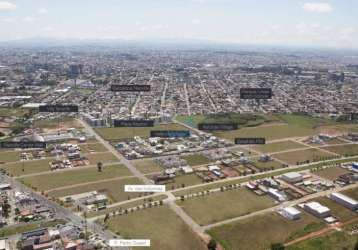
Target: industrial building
(290,213)
(292,177)
(344,201)
(317,209)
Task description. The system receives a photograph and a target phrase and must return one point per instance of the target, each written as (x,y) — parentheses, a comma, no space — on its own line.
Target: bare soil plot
(331,173)
(147,166)
(279,146)
(345,150)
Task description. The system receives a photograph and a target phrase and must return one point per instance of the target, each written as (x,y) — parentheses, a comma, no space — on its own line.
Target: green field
(240,119)
(30,167)
(119,134)
(220,206)
(9,156)
(147,166)
(331,173)
(104,157)
(331,241)
(114,189)
(195,159)
(75,176)
(345,150)
(310,155)
(66,122)
(353,193)
(161,225)
(294,126)
(278,146)
(261,231)
(17,112)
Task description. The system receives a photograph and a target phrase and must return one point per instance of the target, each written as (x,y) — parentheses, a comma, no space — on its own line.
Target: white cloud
(319,7)
(196,21)
(29,19)
(5,6)
(42,11)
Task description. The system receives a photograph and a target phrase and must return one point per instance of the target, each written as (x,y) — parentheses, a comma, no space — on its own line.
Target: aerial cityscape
(178,142)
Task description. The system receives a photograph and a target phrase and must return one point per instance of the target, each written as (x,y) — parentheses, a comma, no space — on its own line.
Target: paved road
(123,160)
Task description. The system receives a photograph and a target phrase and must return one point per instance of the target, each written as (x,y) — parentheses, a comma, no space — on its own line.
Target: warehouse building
(290,213)
(317,209)
(292,177)
(344,201)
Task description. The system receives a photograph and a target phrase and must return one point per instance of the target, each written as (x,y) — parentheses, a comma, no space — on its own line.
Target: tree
(277,246)
(212,245)
(99,166)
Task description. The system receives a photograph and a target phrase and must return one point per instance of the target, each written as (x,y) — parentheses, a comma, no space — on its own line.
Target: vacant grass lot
(310,155)
(147,166)
(353,193)
(260,232)
(30,167)
(331,173)
(345,150)
(66,122)
(269,165)
(9,156)
(331,241)
(96,147)
(196,159)
(342,213)
(114,189)
(161,225)
(119,134)
(224,205)
(278,146)
(75,176)
(103,157)
(18,112)
(186,180)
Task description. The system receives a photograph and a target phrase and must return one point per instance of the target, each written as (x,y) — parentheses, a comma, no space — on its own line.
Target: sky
(304,23)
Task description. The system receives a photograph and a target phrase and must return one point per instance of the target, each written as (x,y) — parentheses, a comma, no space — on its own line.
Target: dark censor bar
(130,88)
(255,93)
(247,141)
(58,108)
(133,123)
(217,126)
(170,133)
(23,145)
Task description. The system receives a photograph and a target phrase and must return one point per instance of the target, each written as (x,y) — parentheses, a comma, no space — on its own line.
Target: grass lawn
(278,146)
(187,180)
(147,166)
(195,159)
(261,231)
(96,147)
(75,176)
(310,155)
(331,173)
(342,213)
(103,157)
(345,150)
(270,165)
(331,241)
(30,167)
(353,193)
(9,156)
(161,225)
(66,122)
(18,112)
(224,205)
(126,206)
(114,189)
(119,134)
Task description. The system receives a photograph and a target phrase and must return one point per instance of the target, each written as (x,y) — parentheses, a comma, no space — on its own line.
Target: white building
(344,201)
(290,213)
(317,209)
(292,177)
(277,195)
